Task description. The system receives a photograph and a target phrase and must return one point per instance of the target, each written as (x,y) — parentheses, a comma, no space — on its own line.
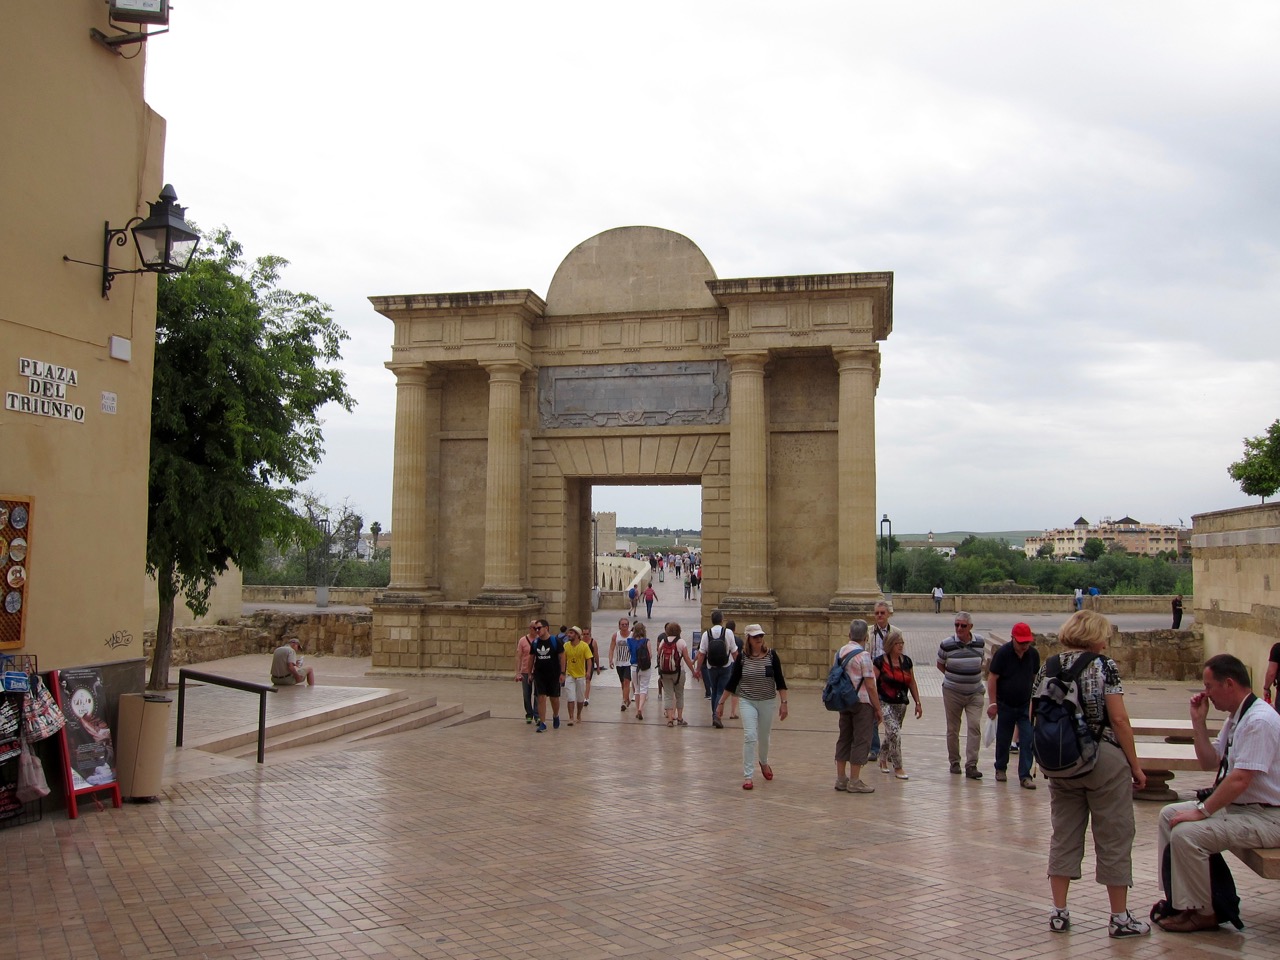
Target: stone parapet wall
(1029,603)
(344,596)
(333,634)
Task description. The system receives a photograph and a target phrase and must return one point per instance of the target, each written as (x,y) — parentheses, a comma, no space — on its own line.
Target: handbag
(41,717)
(32,784)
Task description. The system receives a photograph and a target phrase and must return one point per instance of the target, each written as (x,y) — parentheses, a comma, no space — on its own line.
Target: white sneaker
(1127,925)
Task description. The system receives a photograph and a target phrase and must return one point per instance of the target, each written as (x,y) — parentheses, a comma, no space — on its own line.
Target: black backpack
(717,648)
(1222,885)
(644,659)
(1060,736)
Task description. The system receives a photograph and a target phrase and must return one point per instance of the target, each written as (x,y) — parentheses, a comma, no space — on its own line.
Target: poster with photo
(91,755)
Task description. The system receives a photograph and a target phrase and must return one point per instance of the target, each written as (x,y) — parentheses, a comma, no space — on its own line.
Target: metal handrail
(261,689)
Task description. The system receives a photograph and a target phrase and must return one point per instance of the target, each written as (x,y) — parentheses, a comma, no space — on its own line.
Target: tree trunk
(163,652)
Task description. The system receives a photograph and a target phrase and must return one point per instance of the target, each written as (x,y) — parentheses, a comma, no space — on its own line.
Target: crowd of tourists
(1065,715)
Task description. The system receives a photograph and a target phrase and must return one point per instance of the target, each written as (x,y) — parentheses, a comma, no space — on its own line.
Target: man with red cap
(1010,684)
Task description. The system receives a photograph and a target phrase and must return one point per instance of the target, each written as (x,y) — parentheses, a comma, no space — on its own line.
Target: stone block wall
(412,638)
(1176,655)
(1235,558)
(332,634)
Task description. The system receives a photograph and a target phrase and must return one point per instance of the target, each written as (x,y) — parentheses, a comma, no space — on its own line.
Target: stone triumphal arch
(640,366)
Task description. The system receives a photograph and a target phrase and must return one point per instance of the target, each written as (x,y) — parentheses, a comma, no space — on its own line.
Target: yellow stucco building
(81,148)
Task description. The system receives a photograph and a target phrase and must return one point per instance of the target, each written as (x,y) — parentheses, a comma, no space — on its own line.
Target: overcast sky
(1078,202)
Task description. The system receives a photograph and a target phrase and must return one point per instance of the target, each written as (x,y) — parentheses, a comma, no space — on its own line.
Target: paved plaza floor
(611,839)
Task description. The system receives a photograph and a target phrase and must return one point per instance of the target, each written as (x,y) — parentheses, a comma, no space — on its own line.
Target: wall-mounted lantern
(165,241)
(133,12)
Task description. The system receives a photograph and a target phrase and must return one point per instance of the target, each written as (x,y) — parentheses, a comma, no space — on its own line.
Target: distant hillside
(1016,538)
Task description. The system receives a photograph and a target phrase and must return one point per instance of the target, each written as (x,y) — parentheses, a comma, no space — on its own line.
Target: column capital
(422,373)
(505,369)
(746,360)
(855,359)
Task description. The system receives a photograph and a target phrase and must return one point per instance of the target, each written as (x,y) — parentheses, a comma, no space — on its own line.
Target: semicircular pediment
(631,270)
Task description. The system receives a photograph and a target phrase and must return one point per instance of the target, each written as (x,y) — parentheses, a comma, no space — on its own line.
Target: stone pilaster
(416,435)
(856,586)
(748,483)
(504,546)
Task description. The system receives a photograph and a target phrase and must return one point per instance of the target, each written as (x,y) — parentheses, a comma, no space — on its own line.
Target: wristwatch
(1200,807)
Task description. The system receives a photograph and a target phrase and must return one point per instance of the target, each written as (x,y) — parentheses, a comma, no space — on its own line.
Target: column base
(410,595)
(497,599)
(854,603)
(737,601)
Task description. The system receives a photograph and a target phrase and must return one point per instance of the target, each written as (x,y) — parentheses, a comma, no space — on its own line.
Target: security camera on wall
(140,11)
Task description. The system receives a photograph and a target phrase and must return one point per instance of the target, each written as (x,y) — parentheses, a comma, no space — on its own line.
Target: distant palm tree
(375,531)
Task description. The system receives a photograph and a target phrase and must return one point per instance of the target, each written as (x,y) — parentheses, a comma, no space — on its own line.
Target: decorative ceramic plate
(4,516)
(13,602)
(17,577)
(17,549)
(18,517)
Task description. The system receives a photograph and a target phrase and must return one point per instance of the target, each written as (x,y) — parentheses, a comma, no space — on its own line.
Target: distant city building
(945,547)
(1134,536)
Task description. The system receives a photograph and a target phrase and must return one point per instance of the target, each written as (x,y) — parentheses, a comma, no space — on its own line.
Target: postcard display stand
(18,673)
(15,534)
(88,752)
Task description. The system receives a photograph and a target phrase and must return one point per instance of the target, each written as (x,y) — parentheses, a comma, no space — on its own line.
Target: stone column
(411,544)
(856,585)
(748,483)
(504,532)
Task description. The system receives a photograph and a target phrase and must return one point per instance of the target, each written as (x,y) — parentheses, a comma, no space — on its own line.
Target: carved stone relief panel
(634,394)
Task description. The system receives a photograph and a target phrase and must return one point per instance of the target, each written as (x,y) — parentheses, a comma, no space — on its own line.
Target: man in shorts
(577,661)
(548,674)
(620,659)
(286,666)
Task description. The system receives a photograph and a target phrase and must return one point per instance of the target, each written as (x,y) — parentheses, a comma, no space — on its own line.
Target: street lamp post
(888,547)
(595,563)
(322,566)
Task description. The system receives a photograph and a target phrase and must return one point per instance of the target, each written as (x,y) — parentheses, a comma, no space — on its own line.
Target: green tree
(1258,471)
(241,372)
(375,533)
(1093,548)
(1045,552)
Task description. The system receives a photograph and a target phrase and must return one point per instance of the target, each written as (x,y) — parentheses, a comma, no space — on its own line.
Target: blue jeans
(875,743)
(719,680)
(1006,719)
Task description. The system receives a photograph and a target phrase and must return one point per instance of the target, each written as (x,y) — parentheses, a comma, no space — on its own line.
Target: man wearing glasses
(960,662)
(548,675)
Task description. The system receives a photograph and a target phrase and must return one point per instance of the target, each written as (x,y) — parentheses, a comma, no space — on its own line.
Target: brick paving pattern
(610,839)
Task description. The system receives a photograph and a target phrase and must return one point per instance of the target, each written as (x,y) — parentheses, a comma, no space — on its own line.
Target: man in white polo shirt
(1244,808)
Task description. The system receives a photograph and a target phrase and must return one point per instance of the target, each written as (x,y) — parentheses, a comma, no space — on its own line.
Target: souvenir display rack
(13,812)
(15,537)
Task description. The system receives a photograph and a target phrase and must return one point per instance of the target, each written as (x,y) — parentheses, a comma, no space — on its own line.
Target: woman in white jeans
(762,694)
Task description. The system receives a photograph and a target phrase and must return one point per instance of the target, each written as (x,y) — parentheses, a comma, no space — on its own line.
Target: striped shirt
(757,681)
(962,665)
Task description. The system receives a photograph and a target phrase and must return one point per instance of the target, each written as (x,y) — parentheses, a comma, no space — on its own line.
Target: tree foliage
(983,563)
(1093,548)
(1258,471)
(242,370)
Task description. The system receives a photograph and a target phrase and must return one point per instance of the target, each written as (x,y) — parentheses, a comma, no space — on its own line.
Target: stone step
(345,725)
(239,737)
(410,721)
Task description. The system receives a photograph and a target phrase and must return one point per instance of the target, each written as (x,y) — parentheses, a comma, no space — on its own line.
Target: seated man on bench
(286,666)
(1244,808)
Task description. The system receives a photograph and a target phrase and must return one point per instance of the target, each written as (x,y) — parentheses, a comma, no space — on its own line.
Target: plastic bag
(31,782)
(989,737)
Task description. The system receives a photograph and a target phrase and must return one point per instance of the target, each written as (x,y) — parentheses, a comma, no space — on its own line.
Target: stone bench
(1159,761)
(1173,731)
